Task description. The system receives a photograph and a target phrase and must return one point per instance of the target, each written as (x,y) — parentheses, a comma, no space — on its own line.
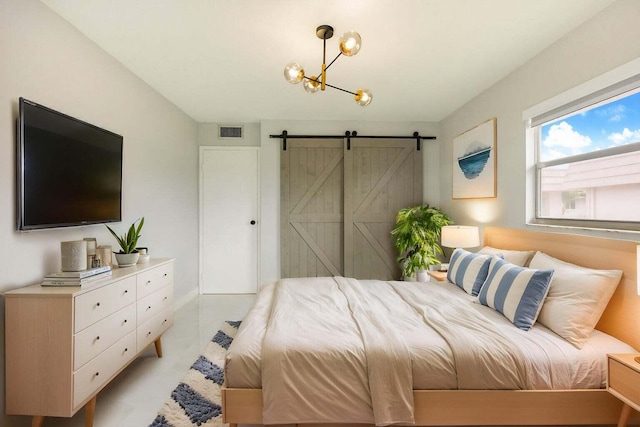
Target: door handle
(253,222)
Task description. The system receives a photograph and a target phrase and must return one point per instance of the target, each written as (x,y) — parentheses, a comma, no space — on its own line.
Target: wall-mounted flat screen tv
(69,172)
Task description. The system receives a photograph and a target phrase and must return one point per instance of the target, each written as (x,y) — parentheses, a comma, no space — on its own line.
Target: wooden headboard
(622,316)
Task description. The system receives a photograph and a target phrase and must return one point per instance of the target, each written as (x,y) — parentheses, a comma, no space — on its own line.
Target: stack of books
(77,278)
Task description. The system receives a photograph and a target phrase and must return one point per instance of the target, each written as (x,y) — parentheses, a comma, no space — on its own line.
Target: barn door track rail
(348,135)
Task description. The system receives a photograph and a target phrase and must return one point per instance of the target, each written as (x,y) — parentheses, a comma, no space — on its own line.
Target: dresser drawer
(624,380)
(154,303)
(101,335)
(102,302)
(154,279)
(153,328)
(99,370)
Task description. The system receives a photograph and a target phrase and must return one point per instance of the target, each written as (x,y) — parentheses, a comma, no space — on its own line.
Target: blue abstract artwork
(473,163)
(474,167)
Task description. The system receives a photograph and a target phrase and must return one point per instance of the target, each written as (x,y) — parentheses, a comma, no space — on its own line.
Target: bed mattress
(327,336)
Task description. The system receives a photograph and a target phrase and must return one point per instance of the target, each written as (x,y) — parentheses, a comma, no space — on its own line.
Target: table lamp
(458,236)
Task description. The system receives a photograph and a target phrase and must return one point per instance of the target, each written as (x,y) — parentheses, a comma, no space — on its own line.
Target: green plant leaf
(416,236)
(128,241)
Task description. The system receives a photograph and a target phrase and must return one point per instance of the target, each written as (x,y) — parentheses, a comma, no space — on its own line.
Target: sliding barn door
(338,205)
(312,208)
(381,177)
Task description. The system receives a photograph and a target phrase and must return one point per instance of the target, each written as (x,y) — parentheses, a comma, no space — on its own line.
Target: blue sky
(610,125)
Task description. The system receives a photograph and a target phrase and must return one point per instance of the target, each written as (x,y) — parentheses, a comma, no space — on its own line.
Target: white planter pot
(126,260)
(422,276)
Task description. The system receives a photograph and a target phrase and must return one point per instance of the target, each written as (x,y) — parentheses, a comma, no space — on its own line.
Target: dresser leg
(89,411)
(624,415)
(37,421)
(158,345)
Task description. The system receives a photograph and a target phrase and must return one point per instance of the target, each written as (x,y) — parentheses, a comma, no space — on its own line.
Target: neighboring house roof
(620,169)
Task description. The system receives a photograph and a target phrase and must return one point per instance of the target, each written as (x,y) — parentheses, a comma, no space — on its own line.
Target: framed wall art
(474,162)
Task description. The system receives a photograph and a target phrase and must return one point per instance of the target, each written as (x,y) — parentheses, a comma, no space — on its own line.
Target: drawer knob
(125,320)
(126,349)
(148,333)
(164,275)
(98,338)
(165,298)
(126,291)
(165,321)
(97,304)
(148,282)
(97,373)
(148,308)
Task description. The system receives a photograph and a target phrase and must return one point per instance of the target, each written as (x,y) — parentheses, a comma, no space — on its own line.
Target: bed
(562,395)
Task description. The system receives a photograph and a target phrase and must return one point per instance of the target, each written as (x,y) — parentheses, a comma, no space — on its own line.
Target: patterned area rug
(197,400)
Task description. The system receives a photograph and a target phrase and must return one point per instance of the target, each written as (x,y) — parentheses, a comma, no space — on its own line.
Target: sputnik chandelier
(350,44)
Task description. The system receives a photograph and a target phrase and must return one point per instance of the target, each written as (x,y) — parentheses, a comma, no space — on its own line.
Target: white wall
(607,41)
(270,172)
(43,58)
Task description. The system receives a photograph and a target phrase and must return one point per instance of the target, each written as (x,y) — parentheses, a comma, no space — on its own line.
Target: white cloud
(563,135)
(625,136)
(613,113)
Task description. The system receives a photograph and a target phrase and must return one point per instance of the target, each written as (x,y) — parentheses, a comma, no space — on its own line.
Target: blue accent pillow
(468,270)
(516,292)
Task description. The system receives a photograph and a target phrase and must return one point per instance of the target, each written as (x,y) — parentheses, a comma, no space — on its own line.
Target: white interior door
(229,225)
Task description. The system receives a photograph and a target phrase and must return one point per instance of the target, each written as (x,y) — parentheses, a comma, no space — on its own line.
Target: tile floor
(134,397)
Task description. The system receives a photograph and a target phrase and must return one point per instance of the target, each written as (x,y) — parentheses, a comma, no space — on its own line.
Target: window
(587,161)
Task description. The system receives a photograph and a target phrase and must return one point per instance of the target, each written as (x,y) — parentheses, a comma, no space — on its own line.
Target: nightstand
(440,276)
(623,381)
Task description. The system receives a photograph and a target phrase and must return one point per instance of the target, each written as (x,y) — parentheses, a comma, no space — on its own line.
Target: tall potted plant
(416,235)
(128,242)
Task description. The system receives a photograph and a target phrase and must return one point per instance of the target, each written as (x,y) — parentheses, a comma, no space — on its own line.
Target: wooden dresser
(64,344)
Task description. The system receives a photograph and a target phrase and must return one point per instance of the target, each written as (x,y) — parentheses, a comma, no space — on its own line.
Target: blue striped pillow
(516,292)
(468,270)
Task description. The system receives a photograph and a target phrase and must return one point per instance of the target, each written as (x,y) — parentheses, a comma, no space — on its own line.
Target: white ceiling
(223,60)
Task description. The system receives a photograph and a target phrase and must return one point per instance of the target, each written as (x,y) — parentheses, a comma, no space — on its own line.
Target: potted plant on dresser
(128,242)
(416,235)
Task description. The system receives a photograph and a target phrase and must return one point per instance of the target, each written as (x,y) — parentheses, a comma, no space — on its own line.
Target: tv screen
(69,172)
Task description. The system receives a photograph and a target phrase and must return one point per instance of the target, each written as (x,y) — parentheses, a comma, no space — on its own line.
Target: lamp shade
(363,97)
(460,236)
(311,84)
(293,73)
(350,43)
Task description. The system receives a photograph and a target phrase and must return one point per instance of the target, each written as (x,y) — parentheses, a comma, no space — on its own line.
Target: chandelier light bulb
(363,97)
(350,43)
(293,73)
(311,84)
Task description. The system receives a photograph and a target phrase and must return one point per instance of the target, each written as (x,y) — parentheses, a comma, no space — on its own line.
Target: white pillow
(577,297)
(520,258)
(516,292)
(468,270)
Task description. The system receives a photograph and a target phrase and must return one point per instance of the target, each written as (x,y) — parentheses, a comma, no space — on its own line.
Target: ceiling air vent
(230,132)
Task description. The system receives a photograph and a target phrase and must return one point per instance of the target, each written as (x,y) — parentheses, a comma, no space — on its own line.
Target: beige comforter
(335,350)
(301,343)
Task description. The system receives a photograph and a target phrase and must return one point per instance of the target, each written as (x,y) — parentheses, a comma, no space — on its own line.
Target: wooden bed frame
(518,407)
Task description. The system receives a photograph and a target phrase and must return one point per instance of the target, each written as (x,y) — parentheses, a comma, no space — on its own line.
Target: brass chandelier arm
(334,60)
(323,74)
(344,90)
(331,86)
